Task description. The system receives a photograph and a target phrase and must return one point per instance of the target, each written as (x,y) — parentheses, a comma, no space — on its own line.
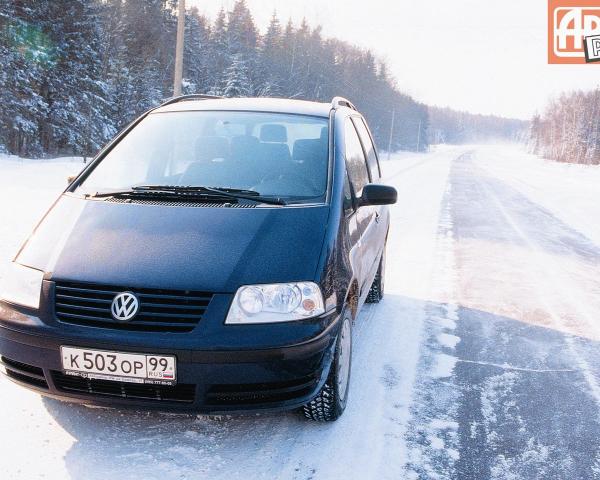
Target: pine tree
(196,61)
(219,55)
(76,97)
(271,60)
(140,78)
(237,83)
(26,55)
(242,43)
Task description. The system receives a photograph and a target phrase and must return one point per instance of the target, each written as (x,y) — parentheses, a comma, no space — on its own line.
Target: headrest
(325,133)
(272,132)
(244,146)
(210,148)
(307,150)
(241,142)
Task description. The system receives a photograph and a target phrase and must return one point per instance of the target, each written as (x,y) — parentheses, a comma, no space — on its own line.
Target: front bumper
(277,377)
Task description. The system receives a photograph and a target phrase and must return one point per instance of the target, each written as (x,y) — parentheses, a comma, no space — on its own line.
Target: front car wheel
(331,400)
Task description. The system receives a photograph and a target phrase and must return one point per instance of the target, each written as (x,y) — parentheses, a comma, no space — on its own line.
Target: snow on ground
(482,361)
(27,189)
(570,191)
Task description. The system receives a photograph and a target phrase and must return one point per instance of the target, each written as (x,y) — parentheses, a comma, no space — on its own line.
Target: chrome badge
(124,306)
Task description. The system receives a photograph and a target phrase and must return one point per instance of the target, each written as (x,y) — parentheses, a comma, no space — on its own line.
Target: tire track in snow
(545,264)
(563,277)
(514,424)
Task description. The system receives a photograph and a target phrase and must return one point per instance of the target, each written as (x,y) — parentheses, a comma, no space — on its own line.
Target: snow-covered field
(482,361)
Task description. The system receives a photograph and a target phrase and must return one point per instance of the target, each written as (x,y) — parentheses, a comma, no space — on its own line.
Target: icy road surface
(482,362)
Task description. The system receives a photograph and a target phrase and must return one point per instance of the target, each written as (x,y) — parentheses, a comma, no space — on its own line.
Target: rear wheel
(376,292)
(330,403)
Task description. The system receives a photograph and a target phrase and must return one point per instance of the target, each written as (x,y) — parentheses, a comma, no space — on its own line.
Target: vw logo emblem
(124,306)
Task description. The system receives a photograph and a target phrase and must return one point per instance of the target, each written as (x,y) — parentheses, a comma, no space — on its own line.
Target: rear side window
(355,159)
(365,138)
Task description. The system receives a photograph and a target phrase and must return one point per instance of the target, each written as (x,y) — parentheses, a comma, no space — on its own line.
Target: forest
(75,72)
(569,129)
(456,127)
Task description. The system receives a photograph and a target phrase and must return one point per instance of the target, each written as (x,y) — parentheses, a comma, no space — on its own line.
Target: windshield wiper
(188,188)
(236,193)
(190,192)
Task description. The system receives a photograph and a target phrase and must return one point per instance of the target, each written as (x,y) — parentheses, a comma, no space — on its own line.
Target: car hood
(186,248)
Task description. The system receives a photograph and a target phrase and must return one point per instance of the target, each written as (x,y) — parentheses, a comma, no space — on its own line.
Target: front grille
(175,311)
(259,393)
(24,373)
(183,393)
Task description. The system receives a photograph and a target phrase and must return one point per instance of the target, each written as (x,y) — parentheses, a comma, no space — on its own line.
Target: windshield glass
(274,154)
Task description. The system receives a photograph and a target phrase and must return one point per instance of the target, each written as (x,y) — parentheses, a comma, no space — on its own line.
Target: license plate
(118,366)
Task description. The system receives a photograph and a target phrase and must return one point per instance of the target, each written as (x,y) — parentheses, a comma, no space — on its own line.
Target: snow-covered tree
(73,72)
(237,83)
(26,55)
(569,129)
(197,43)
(74,90)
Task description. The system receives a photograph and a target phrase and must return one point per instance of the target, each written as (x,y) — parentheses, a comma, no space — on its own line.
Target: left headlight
(278,302)
(22,286)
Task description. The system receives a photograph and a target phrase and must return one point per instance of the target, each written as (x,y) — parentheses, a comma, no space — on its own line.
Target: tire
(330,402)
(377,287)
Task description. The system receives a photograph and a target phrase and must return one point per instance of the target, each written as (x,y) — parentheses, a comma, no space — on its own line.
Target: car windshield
(274,154)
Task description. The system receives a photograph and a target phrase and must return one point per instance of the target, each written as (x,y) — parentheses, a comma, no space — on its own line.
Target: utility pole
(391,133)
(179,50)
(419,136)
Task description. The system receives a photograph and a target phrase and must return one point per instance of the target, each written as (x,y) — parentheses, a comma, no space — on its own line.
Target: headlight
(279,302)
(22,285)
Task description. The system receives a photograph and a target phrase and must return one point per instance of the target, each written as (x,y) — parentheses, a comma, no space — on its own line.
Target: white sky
(483,56)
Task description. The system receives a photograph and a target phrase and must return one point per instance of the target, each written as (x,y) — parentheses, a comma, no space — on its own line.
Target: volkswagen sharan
(213,258)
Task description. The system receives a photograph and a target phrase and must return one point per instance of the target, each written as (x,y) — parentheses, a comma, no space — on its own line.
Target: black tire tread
(374,295)
(322,407)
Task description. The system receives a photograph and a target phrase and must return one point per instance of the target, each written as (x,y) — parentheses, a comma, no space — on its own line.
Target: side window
(355,159)
(365,138)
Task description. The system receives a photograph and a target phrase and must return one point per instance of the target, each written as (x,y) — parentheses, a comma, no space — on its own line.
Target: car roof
(276,105)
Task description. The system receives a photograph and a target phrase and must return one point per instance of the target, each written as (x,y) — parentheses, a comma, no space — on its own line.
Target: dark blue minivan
(211,258)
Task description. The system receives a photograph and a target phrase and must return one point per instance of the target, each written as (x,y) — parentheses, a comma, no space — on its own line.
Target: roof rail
(341,102)
(184,98)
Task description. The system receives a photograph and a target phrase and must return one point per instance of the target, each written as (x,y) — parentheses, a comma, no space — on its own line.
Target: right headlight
(278,302)
(22,286)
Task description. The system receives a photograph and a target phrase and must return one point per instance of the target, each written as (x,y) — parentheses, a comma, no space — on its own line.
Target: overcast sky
(477,55)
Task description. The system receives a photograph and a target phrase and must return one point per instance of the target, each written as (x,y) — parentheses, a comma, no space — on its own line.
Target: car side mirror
(70,179)
(376,194)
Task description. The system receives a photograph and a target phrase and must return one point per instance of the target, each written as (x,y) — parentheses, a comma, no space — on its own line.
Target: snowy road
(482,362)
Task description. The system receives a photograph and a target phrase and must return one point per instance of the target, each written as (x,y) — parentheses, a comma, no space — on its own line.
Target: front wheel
(330,402)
